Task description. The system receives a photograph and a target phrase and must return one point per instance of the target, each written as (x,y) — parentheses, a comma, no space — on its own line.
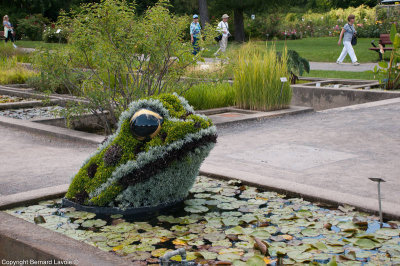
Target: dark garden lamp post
(379,180)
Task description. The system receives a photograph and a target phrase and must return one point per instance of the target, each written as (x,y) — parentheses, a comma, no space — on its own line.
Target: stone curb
(32,196)
(53,131)
(27,104)
(314,194)
(254,115)
(22,240)
(363,105)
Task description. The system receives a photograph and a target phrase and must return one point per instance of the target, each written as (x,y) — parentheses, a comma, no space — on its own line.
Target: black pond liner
(137,212)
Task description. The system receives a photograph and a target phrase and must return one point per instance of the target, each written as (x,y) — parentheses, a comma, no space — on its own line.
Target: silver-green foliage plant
(115,56)
(257,79)
(129,172)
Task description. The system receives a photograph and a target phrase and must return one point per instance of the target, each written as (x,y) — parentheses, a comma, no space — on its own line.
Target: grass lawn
(340,74)
(324,49)
(36,44)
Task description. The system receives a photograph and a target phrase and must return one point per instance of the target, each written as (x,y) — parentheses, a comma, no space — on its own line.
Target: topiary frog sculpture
(153,158)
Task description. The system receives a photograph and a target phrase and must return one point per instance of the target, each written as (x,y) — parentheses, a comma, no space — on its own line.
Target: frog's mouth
(158,165)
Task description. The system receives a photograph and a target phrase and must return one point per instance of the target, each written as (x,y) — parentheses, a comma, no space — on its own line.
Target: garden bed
(231,222)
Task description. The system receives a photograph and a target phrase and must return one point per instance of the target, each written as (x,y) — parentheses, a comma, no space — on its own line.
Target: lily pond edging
(270,209)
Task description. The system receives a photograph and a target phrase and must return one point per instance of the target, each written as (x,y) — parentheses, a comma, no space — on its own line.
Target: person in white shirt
(223,28)
(8,30)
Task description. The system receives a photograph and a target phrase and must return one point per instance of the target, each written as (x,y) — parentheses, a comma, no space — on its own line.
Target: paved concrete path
(329,154)
(323,66)
(342,67)
(29,162)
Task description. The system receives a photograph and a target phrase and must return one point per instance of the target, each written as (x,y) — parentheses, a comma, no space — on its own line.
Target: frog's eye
(145,124)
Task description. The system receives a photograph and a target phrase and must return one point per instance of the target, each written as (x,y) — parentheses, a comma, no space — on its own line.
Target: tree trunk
(203,9)
(239,25)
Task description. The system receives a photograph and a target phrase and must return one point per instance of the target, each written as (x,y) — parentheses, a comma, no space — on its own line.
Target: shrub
(32,27)
(54,34)
(257,79)
(210,95)
(115,56)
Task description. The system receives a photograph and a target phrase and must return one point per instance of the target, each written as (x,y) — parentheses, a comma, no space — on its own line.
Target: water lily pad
(222,243)
(207,255)
(237,230)
(366,243)
(226,206)
(212,202)
(188,237)
(231,221)
(255,261)
(159,252)
(299,256)
(189,256)
(138,255)
(196,209)
(263,234)
(179,228)
(94,223)
(388,232)
(244,245)
(195,202)
(310,232)
(230,214)
(229,257)
(202,195)
(81,215)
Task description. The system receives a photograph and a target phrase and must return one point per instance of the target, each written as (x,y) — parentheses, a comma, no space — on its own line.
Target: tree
(239,7)
(203,10)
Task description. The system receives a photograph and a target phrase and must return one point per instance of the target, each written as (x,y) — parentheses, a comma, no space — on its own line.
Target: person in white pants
(347,34)
(223,28)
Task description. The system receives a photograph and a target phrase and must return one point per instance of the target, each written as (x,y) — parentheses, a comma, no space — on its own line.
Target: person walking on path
(8,30)
(195,33)
(223,28)
(347,34)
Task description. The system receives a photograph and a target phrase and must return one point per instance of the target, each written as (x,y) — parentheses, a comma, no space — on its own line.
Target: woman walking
(347,34)
(8,30)
(195,34)
(223,28)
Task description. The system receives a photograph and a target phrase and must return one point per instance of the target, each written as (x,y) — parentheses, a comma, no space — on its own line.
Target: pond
(226,221)
(30,113)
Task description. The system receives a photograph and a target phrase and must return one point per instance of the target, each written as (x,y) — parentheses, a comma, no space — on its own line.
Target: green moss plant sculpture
(153,158)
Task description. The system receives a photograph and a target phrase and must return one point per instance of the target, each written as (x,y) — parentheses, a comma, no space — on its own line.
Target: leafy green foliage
(115,56)
(296,65)
(211,95)
(32,27)
(257,79)
(389,73)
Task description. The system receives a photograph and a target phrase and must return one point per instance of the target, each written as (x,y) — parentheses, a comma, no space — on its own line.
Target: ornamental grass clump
(257,79)
(211,95)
